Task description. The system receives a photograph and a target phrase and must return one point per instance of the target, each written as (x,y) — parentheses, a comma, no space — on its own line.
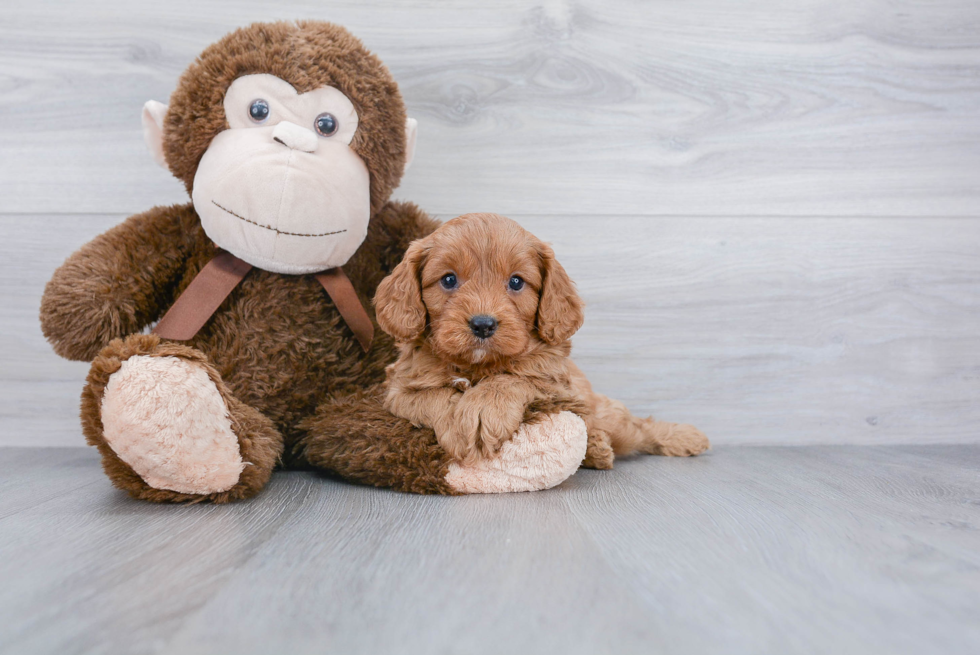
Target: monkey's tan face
(282,189)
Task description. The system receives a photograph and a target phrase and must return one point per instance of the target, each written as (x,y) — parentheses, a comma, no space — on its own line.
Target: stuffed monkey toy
(264,352)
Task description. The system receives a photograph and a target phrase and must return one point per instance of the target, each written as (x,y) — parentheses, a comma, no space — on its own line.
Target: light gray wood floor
(821,549)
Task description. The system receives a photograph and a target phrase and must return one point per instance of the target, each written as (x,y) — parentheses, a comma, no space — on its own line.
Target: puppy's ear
(559,307)
(398,300)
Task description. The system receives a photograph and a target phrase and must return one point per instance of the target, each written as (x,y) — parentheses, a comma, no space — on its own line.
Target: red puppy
(483,314)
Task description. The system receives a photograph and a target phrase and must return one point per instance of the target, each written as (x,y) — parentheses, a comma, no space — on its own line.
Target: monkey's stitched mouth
(272,229)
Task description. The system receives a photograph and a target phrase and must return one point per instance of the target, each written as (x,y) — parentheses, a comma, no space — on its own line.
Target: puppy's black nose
(483,326)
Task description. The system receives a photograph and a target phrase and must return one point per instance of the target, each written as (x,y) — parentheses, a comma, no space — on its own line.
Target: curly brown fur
(277,343)
(277,340)
(473,390)
(357,435)
(541,407)
(120,281)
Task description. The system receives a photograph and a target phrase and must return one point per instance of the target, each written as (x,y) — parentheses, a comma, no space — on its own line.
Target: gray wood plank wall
(770,208)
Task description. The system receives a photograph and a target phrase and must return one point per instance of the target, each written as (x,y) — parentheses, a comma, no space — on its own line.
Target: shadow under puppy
(483,315)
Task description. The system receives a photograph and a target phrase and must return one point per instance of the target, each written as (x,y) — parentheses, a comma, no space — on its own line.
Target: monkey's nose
(293,136)
(483,326)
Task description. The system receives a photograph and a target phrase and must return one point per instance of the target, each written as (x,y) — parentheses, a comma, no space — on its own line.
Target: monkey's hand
(118,283)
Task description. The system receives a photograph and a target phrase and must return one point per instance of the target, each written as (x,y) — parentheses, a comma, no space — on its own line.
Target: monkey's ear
(398,301)
(153,113)
(411,132)
(560,312)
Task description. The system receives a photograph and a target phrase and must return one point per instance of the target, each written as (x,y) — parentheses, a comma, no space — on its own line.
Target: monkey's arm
(117,283)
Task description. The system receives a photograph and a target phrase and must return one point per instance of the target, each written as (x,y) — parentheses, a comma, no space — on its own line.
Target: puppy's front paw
(457,443)
(482,426)
(497,426)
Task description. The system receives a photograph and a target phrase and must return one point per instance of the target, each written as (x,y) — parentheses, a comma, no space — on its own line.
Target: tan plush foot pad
(165,418)
(539,456)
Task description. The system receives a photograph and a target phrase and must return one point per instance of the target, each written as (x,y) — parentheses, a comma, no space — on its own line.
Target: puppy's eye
(516,283)
(448,281)
(258,111)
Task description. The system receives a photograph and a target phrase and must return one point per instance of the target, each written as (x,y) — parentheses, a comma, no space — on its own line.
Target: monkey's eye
(326,124)
(516,283)
(258,111)
(448,281)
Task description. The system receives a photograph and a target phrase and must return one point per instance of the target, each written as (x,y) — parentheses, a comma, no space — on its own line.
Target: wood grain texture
(771,210)
(841,549)
(819,107)
(726,184)
(771,330)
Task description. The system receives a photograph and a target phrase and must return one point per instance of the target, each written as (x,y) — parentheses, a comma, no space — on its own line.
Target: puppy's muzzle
(483,326)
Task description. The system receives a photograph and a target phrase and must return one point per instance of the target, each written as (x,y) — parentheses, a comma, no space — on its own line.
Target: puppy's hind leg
(598,451)
(671,439)
(629,433)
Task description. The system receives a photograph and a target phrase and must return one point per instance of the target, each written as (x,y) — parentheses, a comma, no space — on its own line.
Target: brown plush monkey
(290,138)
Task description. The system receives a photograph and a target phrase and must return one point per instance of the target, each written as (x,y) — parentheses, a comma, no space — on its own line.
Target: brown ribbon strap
(202,297)
(338,286)
(219,277)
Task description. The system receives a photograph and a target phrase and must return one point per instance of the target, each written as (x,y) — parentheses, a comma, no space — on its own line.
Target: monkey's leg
(169,429)
(356,438)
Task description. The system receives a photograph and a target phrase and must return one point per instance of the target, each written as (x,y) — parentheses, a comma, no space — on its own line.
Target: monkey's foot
(164,417)
(539,456)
